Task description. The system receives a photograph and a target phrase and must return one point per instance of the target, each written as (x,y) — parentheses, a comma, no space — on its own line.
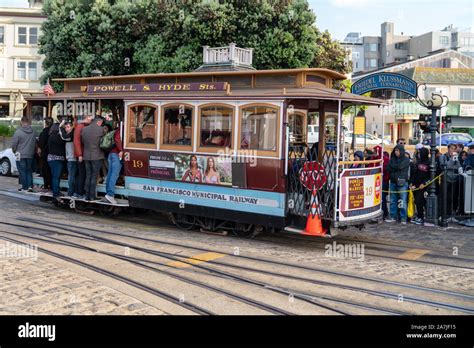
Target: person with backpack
(398,168)
(115,164)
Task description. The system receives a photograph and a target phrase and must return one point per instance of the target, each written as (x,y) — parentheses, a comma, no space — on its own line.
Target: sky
(412,17)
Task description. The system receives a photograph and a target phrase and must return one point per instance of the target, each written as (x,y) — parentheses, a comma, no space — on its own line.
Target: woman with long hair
(193,173)
(211,175)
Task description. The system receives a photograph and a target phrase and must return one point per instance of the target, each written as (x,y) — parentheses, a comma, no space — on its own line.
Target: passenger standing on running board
(78,153)
(115,165)
(93,155)
(43,154)
(23,146)
(57,155)
(70,158)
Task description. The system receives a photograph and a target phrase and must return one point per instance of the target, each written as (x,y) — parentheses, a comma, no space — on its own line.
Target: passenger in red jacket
(78,153)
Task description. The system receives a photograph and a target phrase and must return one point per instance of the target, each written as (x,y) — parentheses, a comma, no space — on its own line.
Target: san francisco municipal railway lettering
(199,194)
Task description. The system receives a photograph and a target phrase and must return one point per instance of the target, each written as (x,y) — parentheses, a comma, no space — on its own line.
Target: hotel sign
(385,81)
(466,110)
(155,87)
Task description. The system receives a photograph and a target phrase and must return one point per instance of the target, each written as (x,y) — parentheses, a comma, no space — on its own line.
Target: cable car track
(226,274)
(280,263)
(243,299)
(142,262)
(317,243)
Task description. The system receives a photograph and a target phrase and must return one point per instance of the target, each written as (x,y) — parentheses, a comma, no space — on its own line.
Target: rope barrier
(418,188)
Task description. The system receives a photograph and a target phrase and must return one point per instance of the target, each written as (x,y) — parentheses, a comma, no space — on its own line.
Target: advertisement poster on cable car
(191,168)
(360,193)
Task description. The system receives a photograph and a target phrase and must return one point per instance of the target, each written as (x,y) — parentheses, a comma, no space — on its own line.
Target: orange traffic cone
(314,225)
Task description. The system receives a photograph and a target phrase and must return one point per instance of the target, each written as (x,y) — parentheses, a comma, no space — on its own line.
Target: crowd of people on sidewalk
(404,173)
(82,147)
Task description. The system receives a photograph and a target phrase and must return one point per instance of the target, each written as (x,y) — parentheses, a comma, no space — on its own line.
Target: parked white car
(369,139)
(8,163)
(313,134)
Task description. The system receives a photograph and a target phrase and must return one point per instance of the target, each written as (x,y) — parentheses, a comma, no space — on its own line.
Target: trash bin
(468,178)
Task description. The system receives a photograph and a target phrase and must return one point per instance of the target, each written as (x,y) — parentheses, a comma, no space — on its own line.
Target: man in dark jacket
(420,176)
(451,161)
(57,155)
(398,168)
(23,146)
(93,155)
(43,154)
(469,162)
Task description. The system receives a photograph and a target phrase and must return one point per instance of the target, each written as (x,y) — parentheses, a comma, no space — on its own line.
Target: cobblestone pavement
(32,285)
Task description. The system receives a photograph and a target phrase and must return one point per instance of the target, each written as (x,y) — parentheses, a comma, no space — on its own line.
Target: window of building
(355,55)
(22,35)
(33,38)
(466,94)
(32,71)
(26,70)
(259,129)
(444,40)
(2,69)
(215,127)
(373,63)
(400,46)
(142,125)
(177,126)
(21,70)
(388,53)
(372,47)
(27,36)
(2,35)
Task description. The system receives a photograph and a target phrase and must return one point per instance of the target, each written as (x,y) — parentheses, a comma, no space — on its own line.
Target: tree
(150,36)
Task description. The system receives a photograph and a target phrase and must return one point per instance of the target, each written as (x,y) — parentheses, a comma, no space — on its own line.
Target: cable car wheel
(109,211)
(183,221)
(247,230)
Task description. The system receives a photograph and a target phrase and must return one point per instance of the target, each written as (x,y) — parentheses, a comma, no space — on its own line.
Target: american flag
(47,89)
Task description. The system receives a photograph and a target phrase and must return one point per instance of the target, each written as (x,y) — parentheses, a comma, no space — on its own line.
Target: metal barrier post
(444,187)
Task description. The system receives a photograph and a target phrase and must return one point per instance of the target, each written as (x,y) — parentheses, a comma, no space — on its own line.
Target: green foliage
(148,36)
(6,130)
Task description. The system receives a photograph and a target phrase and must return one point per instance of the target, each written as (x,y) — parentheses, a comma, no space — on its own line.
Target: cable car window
(259,128)
(142,124)
(216,126)
(177,125)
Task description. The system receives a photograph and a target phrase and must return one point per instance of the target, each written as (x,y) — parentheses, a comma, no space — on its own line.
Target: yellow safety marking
(196,259)
(413,254)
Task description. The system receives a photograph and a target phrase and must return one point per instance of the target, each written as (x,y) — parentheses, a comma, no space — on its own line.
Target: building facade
(20,62)
(389,48)
(450,73)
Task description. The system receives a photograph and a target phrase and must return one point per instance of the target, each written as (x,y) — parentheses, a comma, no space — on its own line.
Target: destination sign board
(155,87)
(385,81)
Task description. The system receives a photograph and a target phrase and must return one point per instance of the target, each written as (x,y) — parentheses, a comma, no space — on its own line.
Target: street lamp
(435,103)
